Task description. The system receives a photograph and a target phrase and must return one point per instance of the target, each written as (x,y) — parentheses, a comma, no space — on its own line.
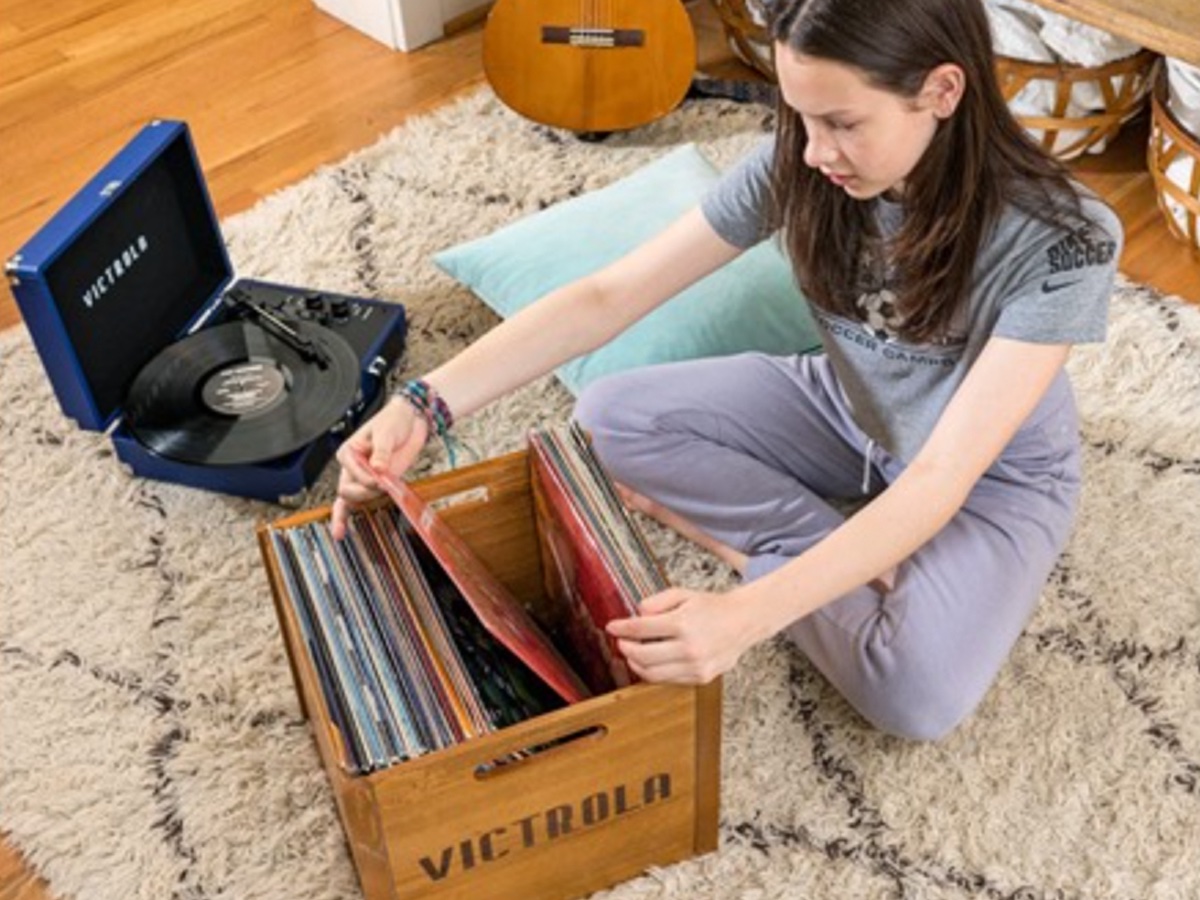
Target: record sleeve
(590,557)
(493,604)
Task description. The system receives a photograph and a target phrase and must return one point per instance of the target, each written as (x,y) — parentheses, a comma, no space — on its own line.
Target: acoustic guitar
(590,65)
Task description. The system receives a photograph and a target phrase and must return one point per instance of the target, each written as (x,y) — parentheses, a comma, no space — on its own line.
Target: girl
(950,266)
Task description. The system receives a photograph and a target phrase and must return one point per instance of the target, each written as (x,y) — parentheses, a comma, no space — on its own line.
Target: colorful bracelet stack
(426,401)
(421,396)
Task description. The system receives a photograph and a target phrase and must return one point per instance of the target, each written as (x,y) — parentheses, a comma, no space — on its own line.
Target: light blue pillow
(750,304)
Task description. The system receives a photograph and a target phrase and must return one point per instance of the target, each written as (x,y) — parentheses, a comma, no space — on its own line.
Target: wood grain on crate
(623,781)
(321,90)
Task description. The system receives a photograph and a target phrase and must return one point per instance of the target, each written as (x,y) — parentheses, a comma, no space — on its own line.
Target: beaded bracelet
(425,400)
(422,397)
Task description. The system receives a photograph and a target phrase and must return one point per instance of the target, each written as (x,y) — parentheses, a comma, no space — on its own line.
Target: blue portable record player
(244,388)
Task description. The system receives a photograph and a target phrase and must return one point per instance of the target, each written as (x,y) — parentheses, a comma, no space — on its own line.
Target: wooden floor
(272,89)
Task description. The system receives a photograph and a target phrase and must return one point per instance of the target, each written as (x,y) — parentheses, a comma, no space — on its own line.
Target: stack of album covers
(417,646)
(405,666)
(597,566)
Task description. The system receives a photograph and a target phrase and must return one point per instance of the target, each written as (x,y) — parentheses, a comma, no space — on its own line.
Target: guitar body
(590,65)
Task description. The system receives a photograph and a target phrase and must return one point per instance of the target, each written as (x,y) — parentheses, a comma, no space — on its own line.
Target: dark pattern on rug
(1088,641)
(875,851)
(216,789)
(350,179)
(156,690)
(172,708)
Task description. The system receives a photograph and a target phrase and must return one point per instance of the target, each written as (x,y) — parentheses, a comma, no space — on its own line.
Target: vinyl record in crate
(239,393)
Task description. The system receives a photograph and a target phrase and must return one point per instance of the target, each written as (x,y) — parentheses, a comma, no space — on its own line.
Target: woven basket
(1173,145)
(745,23)
(1123,85)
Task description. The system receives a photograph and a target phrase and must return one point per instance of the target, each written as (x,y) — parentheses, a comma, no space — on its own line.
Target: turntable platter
(237,393)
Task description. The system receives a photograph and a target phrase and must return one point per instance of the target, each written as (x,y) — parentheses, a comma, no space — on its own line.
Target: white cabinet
(399,24)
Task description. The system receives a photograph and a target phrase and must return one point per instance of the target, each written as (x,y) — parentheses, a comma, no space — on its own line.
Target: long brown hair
(979,160)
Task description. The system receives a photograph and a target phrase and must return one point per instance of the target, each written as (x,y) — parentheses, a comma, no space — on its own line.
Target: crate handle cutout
(478,494)
(516,758)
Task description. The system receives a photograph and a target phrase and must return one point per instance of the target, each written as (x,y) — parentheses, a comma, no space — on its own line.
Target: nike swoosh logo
(1048,288)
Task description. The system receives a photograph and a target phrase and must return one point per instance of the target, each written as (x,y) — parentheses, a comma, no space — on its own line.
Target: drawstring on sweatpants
(866,479)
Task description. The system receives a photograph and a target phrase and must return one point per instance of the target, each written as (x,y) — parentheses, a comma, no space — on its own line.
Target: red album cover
(497,608)
(578,579)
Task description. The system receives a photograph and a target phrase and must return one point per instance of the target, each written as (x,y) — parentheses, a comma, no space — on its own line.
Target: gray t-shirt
(1033,282)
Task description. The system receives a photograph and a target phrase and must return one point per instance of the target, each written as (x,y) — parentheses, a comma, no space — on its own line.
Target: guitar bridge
(593,37)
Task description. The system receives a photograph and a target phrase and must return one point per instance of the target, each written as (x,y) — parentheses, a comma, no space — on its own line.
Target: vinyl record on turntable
(239,393)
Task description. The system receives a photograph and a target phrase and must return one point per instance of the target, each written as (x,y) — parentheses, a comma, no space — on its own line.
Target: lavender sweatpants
(750,448)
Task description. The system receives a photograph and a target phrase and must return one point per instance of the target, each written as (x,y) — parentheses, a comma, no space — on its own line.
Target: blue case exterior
(28,269)
(193,232)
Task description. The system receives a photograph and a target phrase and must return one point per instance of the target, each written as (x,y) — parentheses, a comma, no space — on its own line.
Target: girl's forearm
(582,315)
(1001,391)
(876,540)
(564,324)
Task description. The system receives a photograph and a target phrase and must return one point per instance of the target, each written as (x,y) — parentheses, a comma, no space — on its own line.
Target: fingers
(672,673)
(381,452)
(340,514)
(403,455)
(662,602)
(382,444)
(388,443)
(350,456)
(348,498)
(642,628)
(655,653)
(356,494)
(667,662)
(651,640)
(653,621)
(681,637)
(350,495)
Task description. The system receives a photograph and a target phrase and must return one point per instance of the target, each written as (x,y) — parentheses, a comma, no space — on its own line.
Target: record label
(244,389)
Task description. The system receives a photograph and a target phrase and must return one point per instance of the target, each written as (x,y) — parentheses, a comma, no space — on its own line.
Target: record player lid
(126,267)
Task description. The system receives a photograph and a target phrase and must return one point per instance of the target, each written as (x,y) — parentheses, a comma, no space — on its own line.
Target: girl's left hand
(685,636)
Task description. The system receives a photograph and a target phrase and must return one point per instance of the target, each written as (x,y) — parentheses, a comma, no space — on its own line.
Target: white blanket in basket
(1183,89)
(1022,30)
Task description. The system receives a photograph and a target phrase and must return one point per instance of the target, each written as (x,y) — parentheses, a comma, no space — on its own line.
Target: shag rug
(151,745)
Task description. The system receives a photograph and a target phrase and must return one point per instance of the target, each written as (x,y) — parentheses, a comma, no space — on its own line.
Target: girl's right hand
(389,441)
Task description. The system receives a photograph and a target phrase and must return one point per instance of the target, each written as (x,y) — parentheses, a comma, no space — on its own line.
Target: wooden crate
(637,786)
